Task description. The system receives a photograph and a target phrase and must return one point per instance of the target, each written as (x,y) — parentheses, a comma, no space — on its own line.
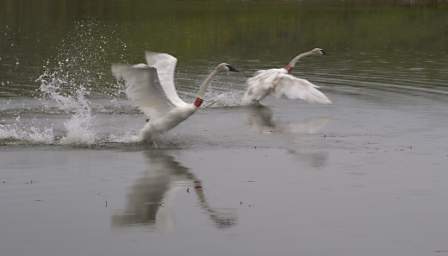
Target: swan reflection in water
(260,118)
(151,197)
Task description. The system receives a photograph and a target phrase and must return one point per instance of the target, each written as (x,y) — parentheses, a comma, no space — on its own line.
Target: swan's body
(151,88)
(280,83)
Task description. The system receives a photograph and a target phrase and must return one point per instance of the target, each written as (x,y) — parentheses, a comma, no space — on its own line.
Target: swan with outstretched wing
(280,83)
(151,88)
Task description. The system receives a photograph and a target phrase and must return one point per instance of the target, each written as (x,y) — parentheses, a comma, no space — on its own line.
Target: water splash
(27,133)
(79,126)
(225,99)
(75,74)
(128,137)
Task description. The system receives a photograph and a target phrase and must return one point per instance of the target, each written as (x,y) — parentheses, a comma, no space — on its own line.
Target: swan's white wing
(143,89)
(292,87)
(265,78)
(165,65)
(260,85)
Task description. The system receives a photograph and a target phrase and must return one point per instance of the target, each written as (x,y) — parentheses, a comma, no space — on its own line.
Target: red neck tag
(198,102)
(288,68)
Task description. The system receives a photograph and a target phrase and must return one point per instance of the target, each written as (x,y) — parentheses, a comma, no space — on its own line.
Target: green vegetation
(250,29)
(403,32)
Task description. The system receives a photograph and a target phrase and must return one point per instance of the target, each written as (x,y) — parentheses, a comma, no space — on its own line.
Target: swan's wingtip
(326,101)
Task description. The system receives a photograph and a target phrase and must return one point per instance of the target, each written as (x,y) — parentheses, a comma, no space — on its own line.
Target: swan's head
(226,67)
(318,51)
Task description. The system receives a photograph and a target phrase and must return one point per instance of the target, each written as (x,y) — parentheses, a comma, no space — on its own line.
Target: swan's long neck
(293,62)
(200,95)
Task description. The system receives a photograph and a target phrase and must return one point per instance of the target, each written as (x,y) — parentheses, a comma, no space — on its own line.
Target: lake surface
(363,176)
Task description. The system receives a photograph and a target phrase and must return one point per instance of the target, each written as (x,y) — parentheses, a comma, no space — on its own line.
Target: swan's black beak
(232,68)
(323,52)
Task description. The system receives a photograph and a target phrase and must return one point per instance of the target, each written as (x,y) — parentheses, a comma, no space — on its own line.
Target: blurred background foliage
(367,36)
(244,28)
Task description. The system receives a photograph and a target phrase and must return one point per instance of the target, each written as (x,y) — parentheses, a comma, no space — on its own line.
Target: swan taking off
(151,88)
(279,82)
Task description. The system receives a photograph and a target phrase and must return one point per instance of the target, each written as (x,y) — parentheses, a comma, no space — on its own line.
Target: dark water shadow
(260,117)
(150,198)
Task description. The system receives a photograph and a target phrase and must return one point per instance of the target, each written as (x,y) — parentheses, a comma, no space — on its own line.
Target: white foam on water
(79,128)
(128,137)
(30,134)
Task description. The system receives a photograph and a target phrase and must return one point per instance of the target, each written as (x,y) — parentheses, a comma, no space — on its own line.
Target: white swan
(279,82)
(151,88)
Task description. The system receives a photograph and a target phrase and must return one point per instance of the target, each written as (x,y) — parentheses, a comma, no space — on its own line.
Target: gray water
(363,176)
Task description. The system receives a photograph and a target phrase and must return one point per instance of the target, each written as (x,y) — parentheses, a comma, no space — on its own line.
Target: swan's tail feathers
(296,88)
